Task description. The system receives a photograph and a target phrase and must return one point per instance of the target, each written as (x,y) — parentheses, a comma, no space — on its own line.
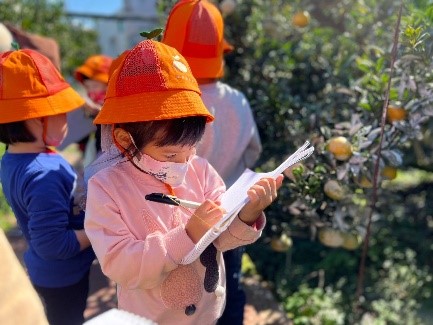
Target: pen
(172,200)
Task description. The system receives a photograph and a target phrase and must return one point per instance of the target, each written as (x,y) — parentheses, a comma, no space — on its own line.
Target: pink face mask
(55,129)
(97,96)
(167,172)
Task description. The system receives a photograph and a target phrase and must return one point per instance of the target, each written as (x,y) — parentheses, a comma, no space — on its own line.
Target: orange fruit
(364,182)
(340,147)
(331,237)
(334,190)
(301,19)
(394,113)
(281,244)
(389,172)
(351,241)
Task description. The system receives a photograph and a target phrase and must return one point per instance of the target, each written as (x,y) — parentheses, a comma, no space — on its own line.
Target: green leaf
(152,34)
(15,46)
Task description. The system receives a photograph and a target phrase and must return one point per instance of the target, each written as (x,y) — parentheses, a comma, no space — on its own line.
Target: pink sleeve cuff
(244,232)
(178,244)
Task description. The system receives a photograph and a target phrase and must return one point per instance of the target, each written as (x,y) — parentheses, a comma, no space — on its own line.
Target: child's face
(94,85)
(173,153)
(95,90)
(50,130)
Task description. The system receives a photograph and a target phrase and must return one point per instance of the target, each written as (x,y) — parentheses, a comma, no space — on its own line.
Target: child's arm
(117,231)
(82,239)
(48,208)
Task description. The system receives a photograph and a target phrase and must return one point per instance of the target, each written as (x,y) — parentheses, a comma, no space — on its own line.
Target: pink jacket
(140,243)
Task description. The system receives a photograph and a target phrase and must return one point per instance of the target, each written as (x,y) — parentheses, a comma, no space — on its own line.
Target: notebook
(236,197)
(117,317)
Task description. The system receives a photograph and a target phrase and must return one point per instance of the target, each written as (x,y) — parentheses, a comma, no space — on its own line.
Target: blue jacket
(40,189)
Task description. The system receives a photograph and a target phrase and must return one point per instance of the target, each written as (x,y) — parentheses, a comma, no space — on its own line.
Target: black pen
(172,200)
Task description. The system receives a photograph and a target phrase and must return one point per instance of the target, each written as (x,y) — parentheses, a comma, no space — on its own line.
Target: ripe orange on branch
(301,19)
(281,244)
(340,147)
(331,237)
(389,172)
(334,190)
(394,114)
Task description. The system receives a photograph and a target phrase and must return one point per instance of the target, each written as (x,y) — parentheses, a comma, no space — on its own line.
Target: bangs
(185,131)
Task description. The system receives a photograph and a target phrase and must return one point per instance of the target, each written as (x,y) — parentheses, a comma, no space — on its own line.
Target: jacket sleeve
(238,233)
(48,200)
(132,262)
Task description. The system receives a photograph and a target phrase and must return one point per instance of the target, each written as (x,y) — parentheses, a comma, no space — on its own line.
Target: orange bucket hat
(96,67)
(31,87)
(152,81)
(196,29)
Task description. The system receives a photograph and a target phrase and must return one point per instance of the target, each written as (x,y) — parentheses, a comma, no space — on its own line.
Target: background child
(231,143)
(154,105)
(39,184)
(93,75)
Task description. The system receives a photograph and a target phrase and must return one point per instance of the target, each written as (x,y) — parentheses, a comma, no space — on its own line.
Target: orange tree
(325,80)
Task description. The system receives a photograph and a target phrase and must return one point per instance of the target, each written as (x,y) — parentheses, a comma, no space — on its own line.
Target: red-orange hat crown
(152,81)
(196,29)
(31,87)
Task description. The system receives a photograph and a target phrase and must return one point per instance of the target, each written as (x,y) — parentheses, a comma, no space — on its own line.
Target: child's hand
(206,215)
(91,109)
(261,195)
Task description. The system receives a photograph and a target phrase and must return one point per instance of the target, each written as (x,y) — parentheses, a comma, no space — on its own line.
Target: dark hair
(15,132)
(181,131)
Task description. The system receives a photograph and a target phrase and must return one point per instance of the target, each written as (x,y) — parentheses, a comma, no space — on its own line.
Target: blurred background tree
(47,18)
(319,71)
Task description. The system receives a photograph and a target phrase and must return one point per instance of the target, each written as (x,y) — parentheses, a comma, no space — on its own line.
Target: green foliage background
(47,17)
(314,83)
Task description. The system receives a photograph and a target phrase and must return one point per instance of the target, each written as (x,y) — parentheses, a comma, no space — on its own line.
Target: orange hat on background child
(96,67)
(196,29)
(151,82)
(31,87)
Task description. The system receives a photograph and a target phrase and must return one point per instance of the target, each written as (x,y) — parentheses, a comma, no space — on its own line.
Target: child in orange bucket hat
(232,142)
(93,75)
(40,185)
(153,103)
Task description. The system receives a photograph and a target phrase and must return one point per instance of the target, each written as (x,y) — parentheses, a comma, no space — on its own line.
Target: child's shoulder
(228,89)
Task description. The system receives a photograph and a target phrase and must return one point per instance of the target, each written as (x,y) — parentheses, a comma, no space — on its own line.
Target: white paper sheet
(236,197)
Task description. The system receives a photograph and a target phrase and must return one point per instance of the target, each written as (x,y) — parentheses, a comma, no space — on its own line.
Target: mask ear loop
(128,155)
(44,129)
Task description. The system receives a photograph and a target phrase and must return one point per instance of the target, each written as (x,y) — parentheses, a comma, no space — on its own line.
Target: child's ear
(122,138)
